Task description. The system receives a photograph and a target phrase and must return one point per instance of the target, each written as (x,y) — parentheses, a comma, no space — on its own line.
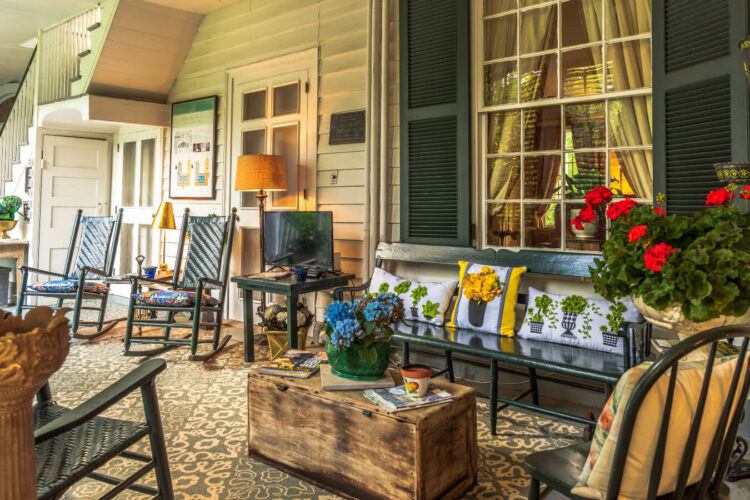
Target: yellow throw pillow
(594,478)
(487,298)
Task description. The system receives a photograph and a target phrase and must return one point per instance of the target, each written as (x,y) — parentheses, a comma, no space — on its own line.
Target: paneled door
(75,174)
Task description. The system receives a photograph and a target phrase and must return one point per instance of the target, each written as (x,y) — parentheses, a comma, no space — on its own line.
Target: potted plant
(274,323)
(683,273)
(417,295)
(359,335)
(576,187)
(430,309)
(614,318)
(542,311)
(571,306)
(481,288)
(8,209)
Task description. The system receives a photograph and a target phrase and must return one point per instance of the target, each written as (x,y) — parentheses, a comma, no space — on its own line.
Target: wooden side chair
(560,468)
(99,237)
(206,269)
(72,444)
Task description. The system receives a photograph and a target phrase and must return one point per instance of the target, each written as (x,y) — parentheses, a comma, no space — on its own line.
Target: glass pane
(581,22)
(581,73)
(500,83)
(500,37)
(504,178)
(542,225)
(125,250)
(504,132)
(627,17)
(583,172)
(542,129)
(628,65)
(631,173)
(590,238)
(254,142)
(148,150)
(286,99)
(584,125)
(504,224)
(145,245)
(529,3)
(128,174)
(539,29)
(254,105)
(538,77)
(497,6)
(286,144)
(630,122)
(541,177)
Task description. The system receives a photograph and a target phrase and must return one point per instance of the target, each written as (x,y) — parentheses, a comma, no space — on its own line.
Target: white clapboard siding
(256,30)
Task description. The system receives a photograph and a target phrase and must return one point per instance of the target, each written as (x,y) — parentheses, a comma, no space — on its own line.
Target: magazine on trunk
(293,363)
(397,399)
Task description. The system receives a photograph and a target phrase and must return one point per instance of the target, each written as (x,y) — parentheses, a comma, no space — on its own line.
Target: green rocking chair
(560,468)
(206,269)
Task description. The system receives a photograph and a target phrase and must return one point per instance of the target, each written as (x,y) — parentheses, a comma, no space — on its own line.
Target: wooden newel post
(31,350)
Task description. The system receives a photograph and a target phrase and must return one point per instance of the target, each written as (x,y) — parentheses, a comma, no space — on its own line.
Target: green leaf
(369,355)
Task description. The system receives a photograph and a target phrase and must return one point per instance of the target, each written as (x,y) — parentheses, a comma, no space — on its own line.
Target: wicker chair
(206,269)
(96,256)
(72,444)
(559,468)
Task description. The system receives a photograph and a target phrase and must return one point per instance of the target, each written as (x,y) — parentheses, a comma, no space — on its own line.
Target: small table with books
(346,444)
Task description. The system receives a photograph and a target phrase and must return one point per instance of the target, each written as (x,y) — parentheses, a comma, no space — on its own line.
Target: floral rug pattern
(204,412)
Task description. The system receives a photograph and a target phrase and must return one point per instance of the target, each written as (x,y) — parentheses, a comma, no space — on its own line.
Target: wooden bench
(528,354)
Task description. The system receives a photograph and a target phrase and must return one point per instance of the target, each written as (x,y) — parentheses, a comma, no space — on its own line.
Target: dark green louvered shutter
(700,96)
(434,115)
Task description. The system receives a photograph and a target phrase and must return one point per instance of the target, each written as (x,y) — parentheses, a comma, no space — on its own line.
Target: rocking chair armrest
(210,281)
(338,293)
(27,269)
(94,270)
(162,281)
(84,412)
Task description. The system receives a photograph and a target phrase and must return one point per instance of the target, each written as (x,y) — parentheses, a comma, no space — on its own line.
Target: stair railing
(14,132)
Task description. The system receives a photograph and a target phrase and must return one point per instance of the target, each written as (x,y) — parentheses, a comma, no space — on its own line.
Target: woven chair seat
(68,457)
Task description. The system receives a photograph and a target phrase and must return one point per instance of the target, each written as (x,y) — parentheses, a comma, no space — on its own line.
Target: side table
(289,287)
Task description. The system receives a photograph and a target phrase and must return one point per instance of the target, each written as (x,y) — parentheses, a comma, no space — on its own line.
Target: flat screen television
(299,239)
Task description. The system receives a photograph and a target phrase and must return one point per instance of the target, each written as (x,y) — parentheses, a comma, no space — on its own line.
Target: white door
(274,111)
(135,188)
(75,174)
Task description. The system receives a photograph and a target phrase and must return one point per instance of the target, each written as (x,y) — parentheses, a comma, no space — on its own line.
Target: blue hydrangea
(345,332)
(339,311)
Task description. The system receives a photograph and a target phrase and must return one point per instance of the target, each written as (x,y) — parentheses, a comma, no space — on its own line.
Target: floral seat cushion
(173,298)
(68,286)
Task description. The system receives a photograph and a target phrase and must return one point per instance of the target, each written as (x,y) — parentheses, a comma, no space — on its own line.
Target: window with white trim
(564,101)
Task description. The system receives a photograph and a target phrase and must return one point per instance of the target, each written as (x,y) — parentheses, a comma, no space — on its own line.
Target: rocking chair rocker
(206,269)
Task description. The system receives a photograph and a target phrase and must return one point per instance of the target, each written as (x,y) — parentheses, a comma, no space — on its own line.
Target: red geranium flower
(577,223)
(719,197)
(745,193)
(637,233)
(659,211)
(621,207)
(657,255)
(587,214)
(598,196)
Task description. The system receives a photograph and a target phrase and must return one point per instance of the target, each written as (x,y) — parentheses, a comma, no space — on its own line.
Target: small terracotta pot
(416,379)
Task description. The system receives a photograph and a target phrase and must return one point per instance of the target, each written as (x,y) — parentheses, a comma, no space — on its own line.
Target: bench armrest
(338,293)
(637,339)
(106,398)
(27,269)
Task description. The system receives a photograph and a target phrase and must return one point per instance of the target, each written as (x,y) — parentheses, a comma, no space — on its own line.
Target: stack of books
(294,363)
(398,399)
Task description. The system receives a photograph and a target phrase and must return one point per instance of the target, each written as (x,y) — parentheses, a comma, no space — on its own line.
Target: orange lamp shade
(260,172)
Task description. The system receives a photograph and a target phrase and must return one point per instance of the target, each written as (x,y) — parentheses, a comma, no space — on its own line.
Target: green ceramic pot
(347,363)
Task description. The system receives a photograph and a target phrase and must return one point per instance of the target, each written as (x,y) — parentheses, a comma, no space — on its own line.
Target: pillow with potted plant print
(576,320)
(487,298)
(422,301)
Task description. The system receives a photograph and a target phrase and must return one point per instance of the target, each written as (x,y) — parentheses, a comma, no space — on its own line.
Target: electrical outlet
(333,177)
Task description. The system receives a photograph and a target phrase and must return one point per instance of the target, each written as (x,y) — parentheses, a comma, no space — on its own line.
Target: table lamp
(163,219)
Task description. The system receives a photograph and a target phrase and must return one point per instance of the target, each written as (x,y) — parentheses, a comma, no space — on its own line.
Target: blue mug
(300,273)
(149,271)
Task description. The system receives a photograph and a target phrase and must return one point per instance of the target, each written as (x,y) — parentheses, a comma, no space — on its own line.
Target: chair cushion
(72,455)
(173,298)
(68,286)
(594,477)
(487,298)
(422,301)
(592,325)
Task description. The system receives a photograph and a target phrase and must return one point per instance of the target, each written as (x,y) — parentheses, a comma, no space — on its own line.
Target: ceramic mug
(149,271)
(416,379)
(300,273)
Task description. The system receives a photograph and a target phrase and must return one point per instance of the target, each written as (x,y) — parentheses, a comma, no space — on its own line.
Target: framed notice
(192,172)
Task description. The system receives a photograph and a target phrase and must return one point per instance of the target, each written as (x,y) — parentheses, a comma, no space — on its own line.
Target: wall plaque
(347,128)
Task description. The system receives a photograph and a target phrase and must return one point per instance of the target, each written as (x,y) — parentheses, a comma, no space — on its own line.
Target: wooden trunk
(345,444)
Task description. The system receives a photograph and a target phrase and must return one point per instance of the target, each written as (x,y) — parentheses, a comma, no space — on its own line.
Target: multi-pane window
(565,105)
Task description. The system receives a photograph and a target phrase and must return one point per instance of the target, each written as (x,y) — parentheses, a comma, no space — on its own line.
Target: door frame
(305,60)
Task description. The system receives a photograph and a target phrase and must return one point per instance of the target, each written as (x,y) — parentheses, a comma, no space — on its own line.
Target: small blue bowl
(149,271)
(300,273)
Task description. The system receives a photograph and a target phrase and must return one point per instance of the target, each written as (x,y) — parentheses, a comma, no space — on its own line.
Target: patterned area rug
(205,416)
